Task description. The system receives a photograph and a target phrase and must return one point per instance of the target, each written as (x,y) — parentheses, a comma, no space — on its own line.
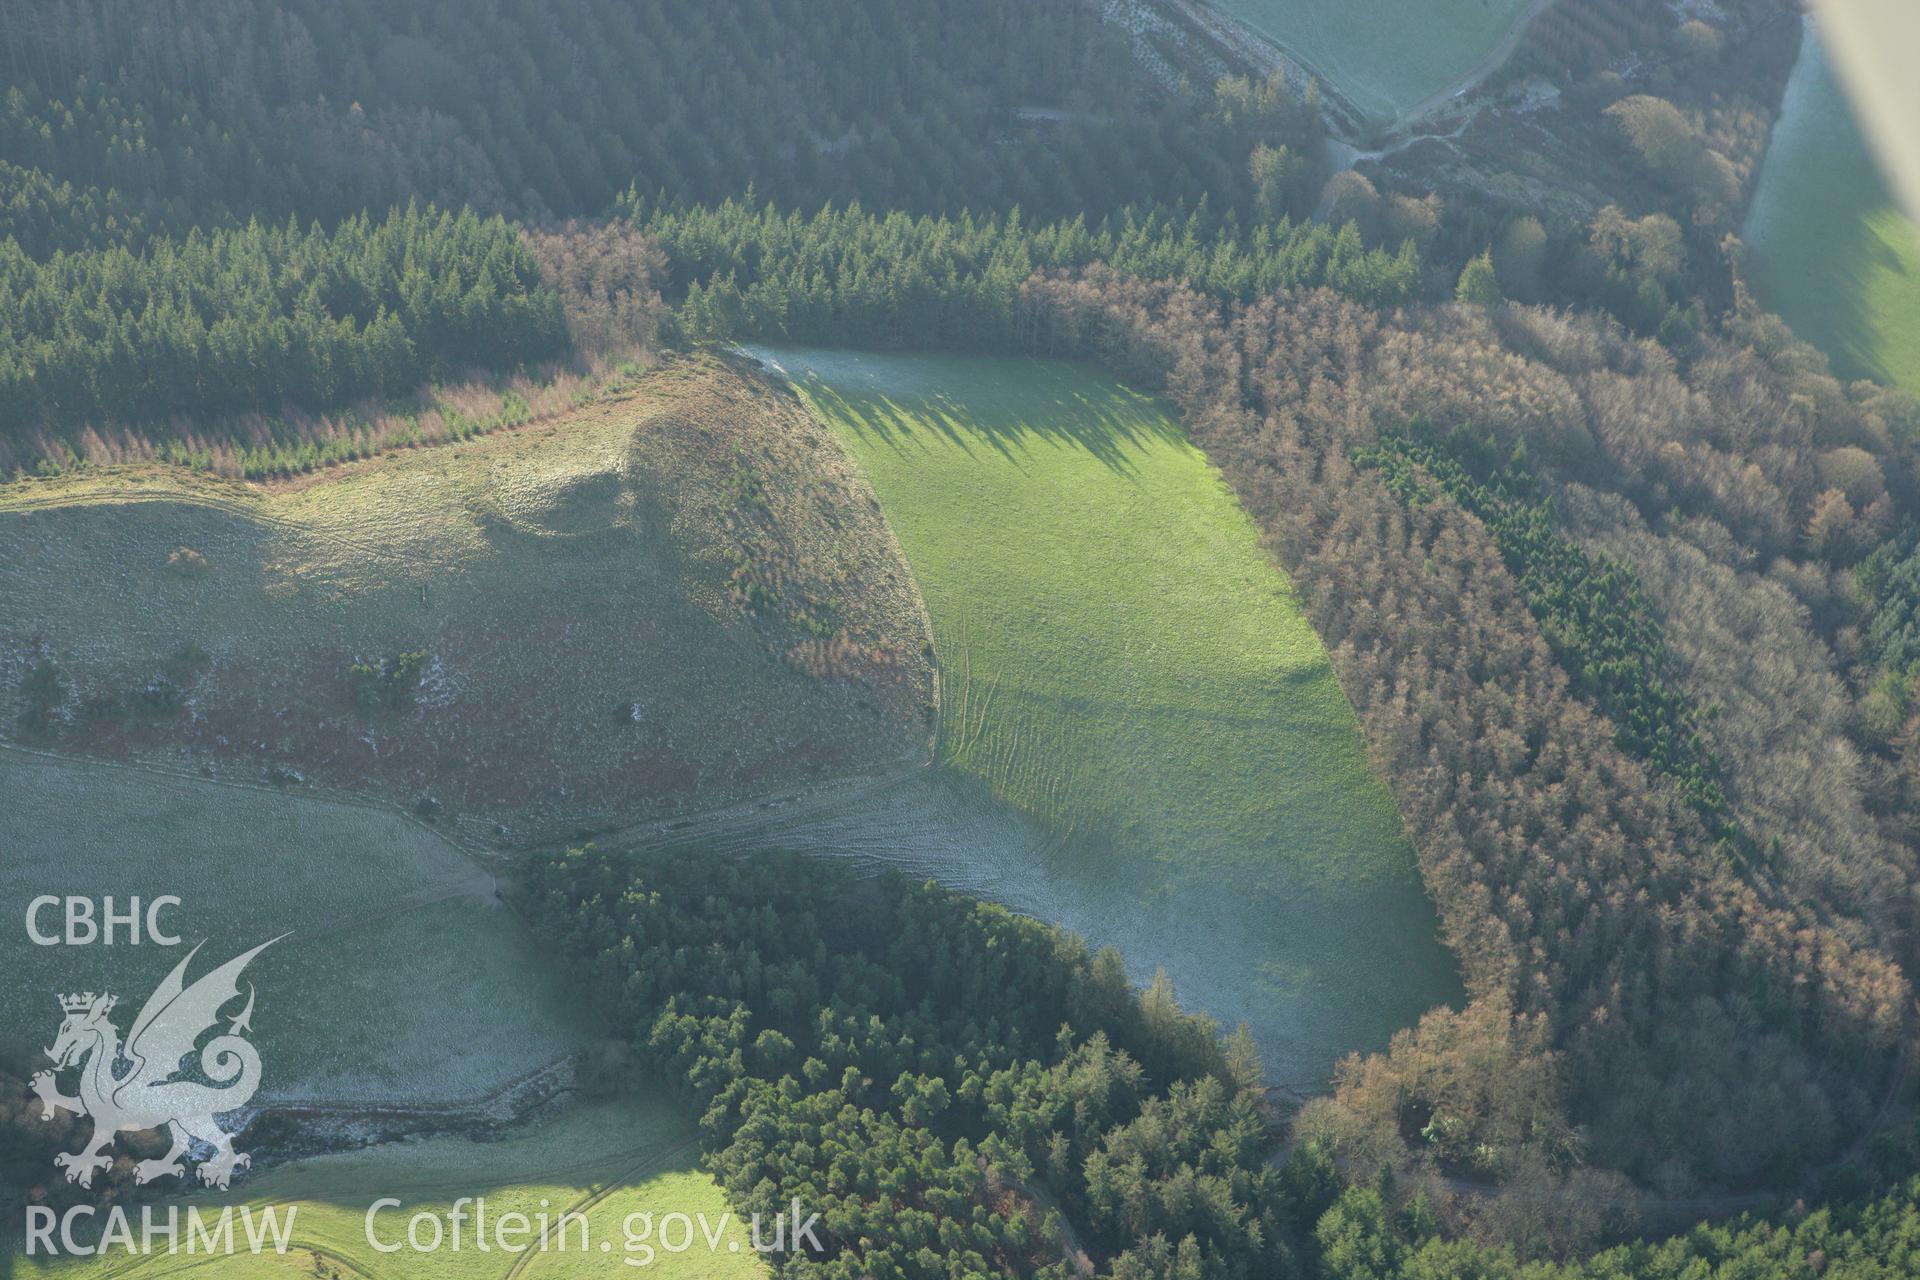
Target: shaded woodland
(1639,994)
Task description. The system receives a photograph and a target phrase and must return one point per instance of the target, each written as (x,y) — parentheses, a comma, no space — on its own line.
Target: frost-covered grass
(403,980)
(604,1161)
(1122,664)
(1830,250)
(1383,55)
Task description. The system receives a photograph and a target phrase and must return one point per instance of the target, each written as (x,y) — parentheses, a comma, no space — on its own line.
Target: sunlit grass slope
(606,1162)
(1831,252)
(1120,660)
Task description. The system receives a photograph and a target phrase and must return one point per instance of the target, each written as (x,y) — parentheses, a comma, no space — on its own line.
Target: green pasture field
(1384,56)
(604,1161)
(1123,666)
(1829,249)
(403,980)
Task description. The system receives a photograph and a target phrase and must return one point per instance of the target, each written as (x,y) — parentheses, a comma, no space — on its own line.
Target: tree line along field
(1830,250)
(1384,57)
(603,1160)
(403,980)
(669,599)
(1122,664)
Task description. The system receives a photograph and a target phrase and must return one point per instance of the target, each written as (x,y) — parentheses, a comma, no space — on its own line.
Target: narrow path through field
(585,1203)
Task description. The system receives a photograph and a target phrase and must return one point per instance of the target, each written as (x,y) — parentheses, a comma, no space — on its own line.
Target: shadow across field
(1139,735)
(1107,424)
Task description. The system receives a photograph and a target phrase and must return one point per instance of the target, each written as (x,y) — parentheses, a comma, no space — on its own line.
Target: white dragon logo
(146,1094)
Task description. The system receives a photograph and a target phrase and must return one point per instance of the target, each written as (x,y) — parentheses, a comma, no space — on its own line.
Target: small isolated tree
(1699,41)
(1271,168)
(1479,285)
(1649,248)
(1854,472)
(186,562)
(1404,218)
(1883,711)
(1349,197)
(1663,137)
(713,314)
(1243,1060)
(1830,529)
(1520,260)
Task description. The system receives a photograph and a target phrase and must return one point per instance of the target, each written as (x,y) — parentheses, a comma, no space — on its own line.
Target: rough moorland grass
(404,979)
(1831,252)
(676,599)
(1121,661)
(1383,55)
(605,1161)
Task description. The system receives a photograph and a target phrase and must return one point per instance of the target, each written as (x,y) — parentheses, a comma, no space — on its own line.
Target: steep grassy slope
(1831,251)
(404,979)
(1124,668)
(674,599)
(1384,56)
(606,1161)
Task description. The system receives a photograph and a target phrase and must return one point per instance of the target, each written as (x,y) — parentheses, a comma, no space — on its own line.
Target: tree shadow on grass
(1005,405)
(1820,235)
(1839,309)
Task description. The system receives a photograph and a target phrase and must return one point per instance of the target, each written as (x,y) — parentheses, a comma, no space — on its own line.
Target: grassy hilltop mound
(674,598)
(1124,668)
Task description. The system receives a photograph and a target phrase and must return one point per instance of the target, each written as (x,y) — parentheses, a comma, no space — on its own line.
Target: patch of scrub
(403,979)
(606,1162)
(1384,56)
(1829,249)
(1140,736)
